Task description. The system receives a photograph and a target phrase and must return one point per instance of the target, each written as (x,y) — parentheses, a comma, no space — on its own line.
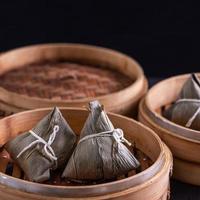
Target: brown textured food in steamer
(64,81)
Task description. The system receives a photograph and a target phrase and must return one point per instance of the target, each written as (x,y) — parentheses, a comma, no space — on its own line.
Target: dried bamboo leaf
(191,88)
(37,159)
(100,153)
(186,110)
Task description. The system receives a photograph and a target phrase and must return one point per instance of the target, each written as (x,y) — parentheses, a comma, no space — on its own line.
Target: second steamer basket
(38,76)
(183,142)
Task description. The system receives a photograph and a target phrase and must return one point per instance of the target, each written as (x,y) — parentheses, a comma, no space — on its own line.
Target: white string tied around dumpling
(193,117)
(47,145)
(117,134)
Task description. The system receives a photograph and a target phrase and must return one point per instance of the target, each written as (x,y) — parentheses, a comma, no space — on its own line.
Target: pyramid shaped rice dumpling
(191,88)
(46,147)
(186,110)
(100,153)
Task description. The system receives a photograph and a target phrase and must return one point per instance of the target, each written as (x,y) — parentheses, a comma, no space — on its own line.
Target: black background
(163,36)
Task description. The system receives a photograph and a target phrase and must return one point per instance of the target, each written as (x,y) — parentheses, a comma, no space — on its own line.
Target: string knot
(47,145)
(118,134)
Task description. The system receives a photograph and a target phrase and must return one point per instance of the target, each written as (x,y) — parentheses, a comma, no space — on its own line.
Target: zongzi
(100,153)
(46,147)
(186,110)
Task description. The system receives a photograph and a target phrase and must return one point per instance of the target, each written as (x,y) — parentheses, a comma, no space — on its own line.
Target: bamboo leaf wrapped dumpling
(46,147)
(191,88)
(100,154)
(186,110)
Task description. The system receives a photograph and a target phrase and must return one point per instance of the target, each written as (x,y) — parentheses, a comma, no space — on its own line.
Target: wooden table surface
(179,190)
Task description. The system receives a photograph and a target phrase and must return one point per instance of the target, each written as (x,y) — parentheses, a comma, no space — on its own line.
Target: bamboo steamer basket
(152,183)
(124,101)
(183,142)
